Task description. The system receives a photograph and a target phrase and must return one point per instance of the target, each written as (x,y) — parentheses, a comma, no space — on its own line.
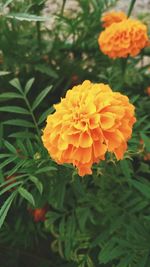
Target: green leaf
(25,194)
(4,156)
(29,85)
(47,70)
(9,95)
(7,3)
(14,109)
(16,167)
(143,188)
(3,73)
(1,134)
(83,213)
(125,261)
(7,161)
(22,135)
(146,141)
(125,167)
(37,183)
(26,17)
(142,262)
(19,122)
(40,97)
(45,114)
(6,182)
(46,169)
(9,187)
(52,216)
(5,208)
(15,83)
(10,147)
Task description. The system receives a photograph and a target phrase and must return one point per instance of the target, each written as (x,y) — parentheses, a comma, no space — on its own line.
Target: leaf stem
(131,8)
(32,115)
(38,27)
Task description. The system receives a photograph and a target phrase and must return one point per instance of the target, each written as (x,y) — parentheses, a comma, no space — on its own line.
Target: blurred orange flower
(147,157)
(113,16)
(88,122)
(123,39)
(148,91)
(39,214)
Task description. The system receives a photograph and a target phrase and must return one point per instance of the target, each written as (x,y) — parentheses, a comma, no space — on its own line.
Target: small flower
(147,157)
(148,91)
(113,17)
(123,39)
(39,214)
(88,122)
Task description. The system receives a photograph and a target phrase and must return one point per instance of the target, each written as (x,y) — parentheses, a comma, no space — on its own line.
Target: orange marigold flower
(113,16)
(88,122)
(123,39)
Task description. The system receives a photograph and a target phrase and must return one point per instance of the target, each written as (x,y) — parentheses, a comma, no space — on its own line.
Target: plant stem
(38,27)
(32,115)
(131,8)
(62,8)
(123,67)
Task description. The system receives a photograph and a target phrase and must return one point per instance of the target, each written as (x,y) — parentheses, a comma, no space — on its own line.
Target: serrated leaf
(37,183)
(45,114)
(16,83)
(26,195)
(26,17)
(5,208)
(14,109)
(19,122)
(40,97)
(29,85)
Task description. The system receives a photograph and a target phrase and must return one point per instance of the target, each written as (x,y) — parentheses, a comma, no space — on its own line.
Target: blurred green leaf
(14,109)
(28,196)
(29,85)
(5,208)
(37,183)
(19,122)
(40,97)
(26,17)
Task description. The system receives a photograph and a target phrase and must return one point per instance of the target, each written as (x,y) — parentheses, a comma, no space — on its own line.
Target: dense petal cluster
(88,122)
(123,39)
(113,17)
